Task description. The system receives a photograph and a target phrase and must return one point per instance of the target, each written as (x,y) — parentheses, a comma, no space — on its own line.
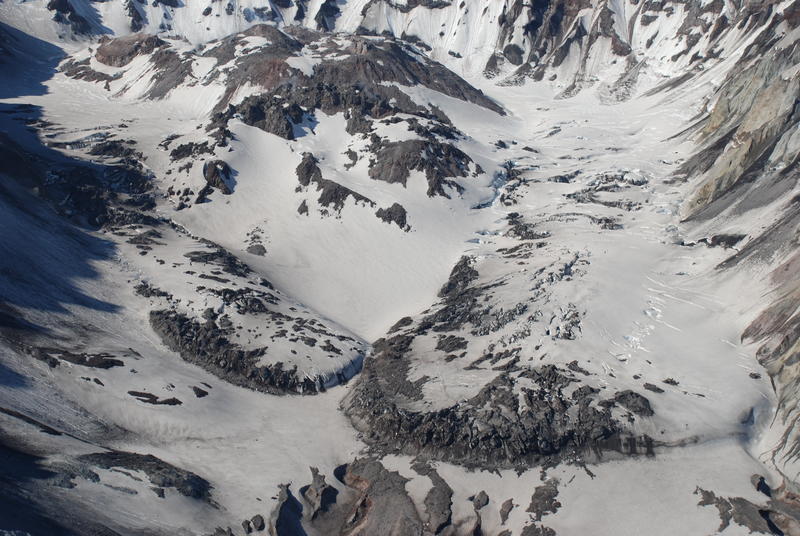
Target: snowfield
(251,307)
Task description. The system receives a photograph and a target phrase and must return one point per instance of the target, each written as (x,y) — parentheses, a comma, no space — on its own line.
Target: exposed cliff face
(749,139)
(619,47)
(777,330)
(746,172)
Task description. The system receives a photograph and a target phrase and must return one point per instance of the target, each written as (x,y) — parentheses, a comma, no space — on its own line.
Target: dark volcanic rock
(185,150)
(100,361)
(116,149)
(217,174)
(511,434)
(441,162)
(307,170)
(226,261)
(394,214)
(257,522)
(521,417)
(439,500)
(505,510)
(460,278)
(147,290)
(359,83)
(160,473)
(257,249)
(325,17)
(149,398)
(723,240)
(653,388)
(391,61)
(524,230)
(513,54)
(634,402)
(270,115)
(544,500)
(82,70)
(122,50)
(537,530)
(208,346)
(65,13)
(739,511)
(137,20)
(480,500)
(172,70)
(89,195)
(451,343)
(331,194)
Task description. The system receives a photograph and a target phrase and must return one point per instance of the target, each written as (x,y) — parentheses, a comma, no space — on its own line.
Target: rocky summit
(399,267)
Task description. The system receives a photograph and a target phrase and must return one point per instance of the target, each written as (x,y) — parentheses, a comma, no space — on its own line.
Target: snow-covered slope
(622,47)
(398,267)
